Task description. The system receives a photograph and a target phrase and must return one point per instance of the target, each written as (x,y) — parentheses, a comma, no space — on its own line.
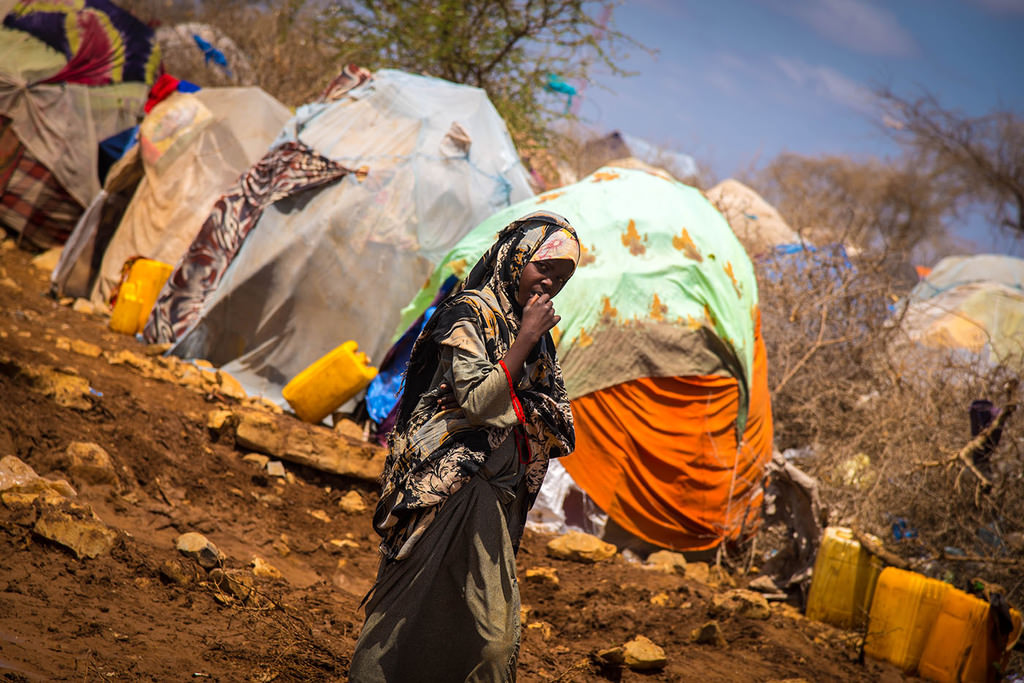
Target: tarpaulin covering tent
(192,146)
(72,74)
(317,268)
(757,224)
(973,303)
(660,347)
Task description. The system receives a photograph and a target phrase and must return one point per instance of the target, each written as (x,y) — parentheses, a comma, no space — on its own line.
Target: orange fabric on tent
(659,456)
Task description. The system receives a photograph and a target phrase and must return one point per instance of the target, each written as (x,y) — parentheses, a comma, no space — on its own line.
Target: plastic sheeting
(193,147)
(338,263)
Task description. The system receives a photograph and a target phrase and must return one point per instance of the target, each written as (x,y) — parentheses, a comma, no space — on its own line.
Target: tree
(509,48)
(892,205)
(983,155)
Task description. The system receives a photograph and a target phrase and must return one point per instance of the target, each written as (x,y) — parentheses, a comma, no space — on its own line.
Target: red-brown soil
(120,615)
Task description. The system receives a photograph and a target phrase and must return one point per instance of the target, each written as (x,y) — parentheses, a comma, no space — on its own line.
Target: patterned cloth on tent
(285,170)
(103,43)
(350,77)
(33,202)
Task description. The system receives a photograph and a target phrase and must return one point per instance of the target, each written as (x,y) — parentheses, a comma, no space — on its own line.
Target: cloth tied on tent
(293,167)
(350,77)
(103,43)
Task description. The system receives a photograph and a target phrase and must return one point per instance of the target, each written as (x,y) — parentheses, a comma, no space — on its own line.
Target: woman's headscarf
(432,454)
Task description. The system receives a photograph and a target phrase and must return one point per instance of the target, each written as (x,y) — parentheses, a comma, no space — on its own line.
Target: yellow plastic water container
(319,389)
(964,645)
(843,581)
(138,293)
(903,611)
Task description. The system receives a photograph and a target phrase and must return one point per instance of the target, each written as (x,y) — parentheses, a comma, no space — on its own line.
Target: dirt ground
(144,611)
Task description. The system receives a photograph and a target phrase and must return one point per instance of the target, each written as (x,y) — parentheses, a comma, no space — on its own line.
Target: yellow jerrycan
(333,379)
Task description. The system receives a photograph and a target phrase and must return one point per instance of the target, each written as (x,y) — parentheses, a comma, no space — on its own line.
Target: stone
(10,284)
(709,633)
(275,468)
(321,515)
(88,462)
(85,535)
(337,545)
(348,428)
(84,348)
(236,583)
(62,344)
(543,575)
(257,459)
(641,654)
(580,547)
(666,561)
(613,655)
(83,306)
(524,614)
(263,403)
(763,584)
(202,363)
(352,503)
(9,244)
(47,260)
(67,390)
(229,386)
(126,357)
(18,477)
(173,572)
(543,627)
(259,432)
(217,420)
(710,575)
(157,349)
(660,600)
(741,603)
(200,549)
(264,569)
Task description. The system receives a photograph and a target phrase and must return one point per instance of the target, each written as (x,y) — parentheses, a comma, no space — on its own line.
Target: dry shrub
(880,421)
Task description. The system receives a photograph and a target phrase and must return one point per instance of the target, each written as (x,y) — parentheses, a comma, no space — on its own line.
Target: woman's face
(543,277)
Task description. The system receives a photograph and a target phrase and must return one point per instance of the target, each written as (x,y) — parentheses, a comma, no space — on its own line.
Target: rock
(275,468)
(524,613)
(229,386)
(83,306)
(708,634)
(10,284)
(321,515)
(613,655)
(173,572)
(47,260)
(202,363)
(710,575)
(641,654)
(9,244)
(263,403)
(84,348)
(763,584)
(259,432)
(660,600)
(352,503)
(543,575)
(257,459)
(62,344)
(349,428)
(199,549)
(218,420)
(666,561)
(580,547)
(236,583)
(543,627)
(265,570)
(68,390)
(337,545)
(85,535)
(16,477)
(126,357)
(741,603)
(88,462)
(157,349)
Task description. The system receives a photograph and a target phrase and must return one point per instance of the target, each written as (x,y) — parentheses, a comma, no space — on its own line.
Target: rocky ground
(204,535)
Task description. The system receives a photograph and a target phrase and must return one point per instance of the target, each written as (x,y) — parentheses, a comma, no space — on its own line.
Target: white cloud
(855,24)
(826,82)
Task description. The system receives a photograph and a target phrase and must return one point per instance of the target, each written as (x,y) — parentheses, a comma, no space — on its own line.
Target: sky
(734,83)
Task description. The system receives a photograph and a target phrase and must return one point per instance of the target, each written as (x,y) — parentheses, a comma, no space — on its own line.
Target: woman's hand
(538,317)
(446,401)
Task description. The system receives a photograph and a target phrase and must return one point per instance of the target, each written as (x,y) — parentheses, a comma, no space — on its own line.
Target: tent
(72,74)
(337,227)
(660,347)
(974,304)
(757,224)
(192,147)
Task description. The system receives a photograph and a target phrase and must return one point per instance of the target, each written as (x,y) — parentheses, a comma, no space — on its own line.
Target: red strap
(522,444)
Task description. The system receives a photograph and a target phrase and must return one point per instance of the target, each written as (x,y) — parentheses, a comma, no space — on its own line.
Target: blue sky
(736,82)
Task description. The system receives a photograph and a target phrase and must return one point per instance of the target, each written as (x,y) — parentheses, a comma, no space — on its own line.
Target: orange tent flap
(659,455)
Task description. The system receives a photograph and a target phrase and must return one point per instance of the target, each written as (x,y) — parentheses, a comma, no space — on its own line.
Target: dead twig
(874,546)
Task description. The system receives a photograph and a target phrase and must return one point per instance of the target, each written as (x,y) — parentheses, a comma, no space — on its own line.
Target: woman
(483,410)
